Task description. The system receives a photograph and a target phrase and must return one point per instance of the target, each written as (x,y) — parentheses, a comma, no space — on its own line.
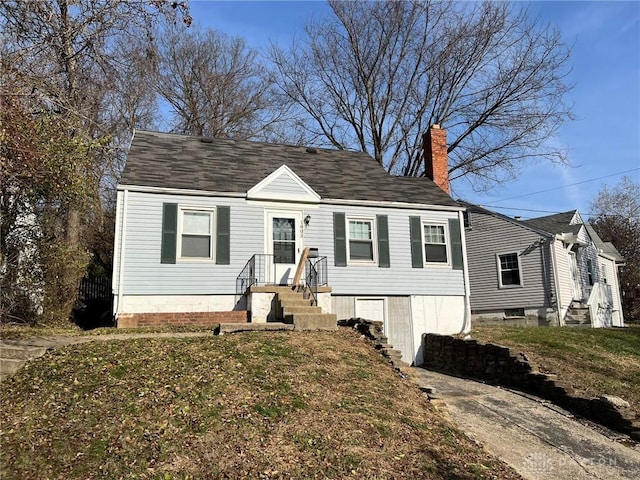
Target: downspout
(466,328)
(556,281)
(545,273)
(121,256)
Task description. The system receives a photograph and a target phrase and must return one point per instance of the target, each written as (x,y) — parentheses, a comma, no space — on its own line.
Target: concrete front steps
(13,357)
(293,308)
(578,315)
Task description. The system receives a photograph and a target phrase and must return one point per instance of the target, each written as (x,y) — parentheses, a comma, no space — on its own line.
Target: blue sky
(603,140)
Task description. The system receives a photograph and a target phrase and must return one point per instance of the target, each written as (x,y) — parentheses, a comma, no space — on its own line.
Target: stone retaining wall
(499,365)
(132,320)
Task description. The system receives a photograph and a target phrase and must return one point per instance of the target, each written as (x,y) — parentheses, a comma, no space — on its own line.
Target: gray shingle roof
(557,223)
(606,247)
(524,224)
(234,166)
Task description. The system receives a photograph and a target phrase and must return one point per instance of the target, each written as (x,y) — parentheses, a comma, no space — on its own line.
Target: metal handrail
(316,274)
(255,272)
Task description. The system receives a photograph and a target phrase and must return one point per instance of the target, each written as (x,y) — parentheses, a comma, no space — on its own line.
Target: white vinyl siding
(145,275)
(563,267)
(284,186)
(400,278)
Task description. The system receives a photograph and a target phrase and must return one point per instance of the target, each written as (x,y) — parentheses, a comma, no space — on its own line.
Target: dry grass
(593,361)
(254,405)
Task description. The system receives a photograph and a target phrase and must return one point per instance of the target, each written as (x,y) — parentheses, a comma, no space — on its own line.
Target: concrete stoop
(578,316)
(13,357)
(296,310)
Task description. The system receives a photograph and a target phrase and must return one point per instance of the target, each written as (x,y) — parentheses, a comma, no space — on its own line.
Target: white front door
(284,240)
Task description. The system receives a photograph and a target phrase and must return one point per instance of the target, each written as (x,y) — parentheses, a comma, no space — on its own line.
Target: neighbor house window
(435,244)
(590,271)
(509,270)
(196,234)
(361,240)
(466,217)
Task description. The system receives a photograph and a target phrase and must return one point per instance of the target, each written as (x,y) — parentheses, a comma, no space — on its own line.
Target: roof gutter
(326,201)
(406,205)
(178,191)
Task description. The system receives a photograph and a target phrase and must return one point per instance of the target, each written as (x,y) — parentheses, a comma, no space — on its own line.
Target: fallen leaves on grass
(254,405)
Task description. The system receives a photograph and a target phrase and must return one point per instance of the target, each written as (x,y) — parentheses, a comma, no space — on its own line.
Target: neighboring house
(552,270)
(206,228)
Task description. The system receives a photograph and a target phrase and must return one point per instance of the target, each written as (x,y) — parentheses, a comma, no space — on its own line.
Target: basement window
(513,312)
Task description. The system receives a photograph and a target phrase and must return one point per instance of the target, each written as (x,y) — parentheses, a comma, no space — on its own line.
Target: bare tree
(214,84)
(615,215)
(374,75)
(61,64)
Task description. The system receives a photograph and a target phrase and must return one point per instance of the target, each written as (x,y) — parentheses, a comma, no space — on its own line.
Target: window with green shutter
(415,234)
(169,233)
(435,244)
(455,239)
(195,234)
(223,235)
(383,241)
(339,240)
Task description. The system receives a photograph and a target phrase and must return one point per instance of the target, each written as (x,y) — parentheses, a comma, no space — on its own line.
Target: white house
(206,228)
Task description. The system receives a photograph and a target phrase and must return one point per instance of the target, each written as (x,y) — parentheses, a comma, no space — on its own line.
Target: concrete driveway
(539,440)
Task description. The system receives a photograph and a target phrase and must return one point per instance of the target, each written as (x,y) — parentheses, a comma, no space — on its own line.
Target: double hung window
(509,270)
(196,234)
(361,240)
(435,243)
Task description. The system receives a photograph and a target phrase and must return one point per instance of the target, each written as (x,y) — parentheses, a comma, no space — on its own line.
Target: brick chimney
(436,163)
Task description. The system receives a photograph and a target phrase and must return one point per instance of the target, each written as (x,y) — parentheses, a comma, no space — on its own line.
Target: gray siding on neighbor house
(145,275)
(490,235)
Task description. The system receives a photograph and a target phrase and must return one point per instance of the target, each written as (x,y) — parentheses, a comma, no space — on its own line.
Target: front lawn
(594,361)
(252,405)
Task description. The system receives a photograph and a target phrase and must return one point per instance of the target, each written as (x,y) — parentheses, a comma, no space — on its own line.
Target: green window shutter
(169,233)
(223,235)
(455,240)
(415,226)
(339,240)
(383,241)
